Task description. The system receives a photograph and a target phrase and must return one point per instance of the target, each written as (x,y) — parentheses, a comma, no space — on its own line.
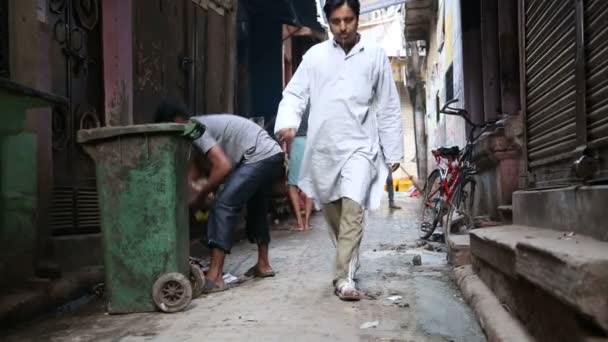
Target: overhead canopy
(292,12)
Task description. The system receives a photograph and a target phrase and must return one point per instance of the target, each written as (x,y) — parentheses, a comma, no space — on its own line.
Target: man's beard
(347,43)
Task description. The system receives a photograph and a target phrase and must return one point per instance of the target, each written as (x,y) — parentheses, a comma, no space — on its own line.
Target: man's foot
(349,293)
(213,286)
(394,206)
(260,272)
(297,229)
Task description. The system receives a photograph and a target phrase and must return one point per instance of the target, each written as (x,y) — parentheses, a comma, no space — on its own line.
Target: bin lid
(85,136)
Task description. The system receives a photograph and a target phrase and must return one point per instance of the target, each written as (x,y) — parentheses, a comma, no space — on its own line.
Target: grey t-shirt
(241,139)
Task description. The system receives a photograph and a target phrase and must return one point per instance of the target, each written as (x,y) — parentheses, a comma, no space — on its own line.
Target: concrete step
(459,249)
(557,282)
(506,213)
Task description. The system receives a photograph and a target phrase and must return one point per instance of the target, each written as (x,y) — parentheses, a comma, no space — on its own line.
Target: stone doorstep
(496,246)
(544,316)
(459,249)
(573,269)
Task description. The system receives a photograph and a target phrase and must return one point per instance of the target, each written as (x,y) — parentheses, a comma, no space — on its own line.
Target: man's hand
(286,135)
(394,167)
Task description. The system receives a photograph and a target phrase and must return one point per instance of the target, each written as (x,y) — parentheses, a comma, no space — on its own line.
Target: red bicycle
(449,191)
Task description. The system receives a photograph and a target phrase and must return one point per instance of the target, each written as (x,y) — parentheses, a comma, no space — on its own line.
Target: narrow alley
(410,303)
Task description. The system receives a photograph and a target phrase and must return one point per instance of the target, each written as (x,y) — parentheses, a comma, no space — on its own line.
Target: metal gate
(76,59)
(179,52)
(565,87)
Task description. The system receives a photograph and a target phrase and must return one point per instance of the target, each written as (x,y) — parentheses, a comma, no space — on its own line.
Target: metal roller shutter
(550,72)
(596,50)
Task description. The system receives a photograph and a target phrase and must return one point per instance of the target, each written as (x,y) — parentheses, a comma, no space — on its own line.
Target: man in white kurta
(354,132)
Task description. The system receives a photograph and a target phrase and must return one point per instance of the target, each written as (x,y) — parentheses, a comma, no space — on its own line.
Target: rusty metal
(4,43)
(160,42)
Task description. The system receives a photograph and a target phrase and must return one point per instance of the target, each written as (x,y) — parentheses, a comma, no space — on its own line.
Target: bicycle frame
(448,175)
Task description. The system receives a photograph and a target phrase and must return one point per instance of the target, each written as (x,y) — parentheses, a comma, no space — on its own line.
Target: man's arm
(293,105)
(220,169)
(388,109)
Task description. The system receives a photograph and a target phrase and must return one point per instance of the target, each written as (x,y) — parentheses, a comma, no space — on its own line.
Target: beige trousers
(345,218)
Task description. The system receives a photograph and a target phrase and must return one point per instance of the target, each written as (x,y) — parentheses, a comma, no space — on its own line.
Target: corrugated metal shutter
(596,50)
(550,71)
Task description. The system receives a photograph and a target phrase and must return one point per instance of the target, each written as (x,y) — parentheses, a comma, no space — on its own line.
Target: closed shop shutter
(561,123)
(596,51)
(550,73)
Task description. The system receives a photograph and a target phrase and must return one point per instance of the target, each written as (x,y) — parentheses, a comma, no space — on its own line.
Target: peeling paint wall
(444,53)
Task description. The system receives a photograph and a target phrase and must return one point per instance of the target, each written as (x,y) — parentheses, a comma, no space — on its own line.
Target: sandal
(211,287)
(349,294)
(254,272)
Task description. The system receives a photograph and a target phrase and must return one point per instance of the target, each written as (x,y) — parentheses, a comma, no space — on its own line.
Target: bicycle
(450,188)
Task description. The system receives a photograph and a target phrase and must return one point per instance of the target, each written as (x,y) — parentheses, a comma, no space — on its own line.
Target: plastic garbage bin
(142,184)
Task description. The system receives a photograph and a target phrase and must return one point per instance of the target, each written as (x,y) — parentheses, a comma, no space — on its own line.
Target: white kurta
(354,127)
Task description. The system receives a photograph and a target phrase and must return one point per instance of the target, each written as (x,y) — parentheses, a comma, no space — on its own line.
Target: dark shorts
(250,186)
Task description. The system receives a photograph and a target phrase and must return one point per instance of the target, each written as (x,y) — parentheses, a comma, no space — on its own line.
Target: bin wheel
(197,279)
(172,292)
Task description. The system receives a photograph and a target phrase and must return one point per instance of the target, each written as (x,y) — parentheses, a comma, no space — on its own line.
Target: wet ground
(413,303)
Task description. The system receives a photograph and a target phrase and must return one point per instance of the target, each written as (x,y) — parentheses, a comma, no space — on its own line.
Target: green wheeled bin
(142,184)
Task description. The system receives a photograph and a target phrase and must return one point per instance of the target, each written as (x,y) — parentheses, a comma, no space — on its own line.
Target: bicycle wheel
(460,211)
(432,205)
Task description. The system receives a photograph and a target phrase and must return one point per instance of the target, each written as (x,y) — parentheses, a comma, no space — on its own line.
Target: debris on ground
(421,243)
(396,300)
(438,237)
(412,192)
(403,305)
(567,236)
(368,325)
(417,260)
(202,264)
(99,290)
(230,279)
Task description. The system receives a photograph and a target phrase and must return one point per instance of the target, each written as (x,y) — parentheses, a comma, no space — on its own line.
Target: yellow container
(401,184)
(404,184)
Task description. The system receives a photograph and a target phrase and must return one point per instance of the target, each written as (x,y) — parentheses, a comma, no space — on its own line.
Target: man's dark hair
(332,5)
(169,109)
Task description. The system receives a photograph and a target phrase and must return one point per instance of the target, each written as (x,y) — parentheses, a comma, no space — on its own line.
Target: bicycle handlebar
(446,106)
(446,109)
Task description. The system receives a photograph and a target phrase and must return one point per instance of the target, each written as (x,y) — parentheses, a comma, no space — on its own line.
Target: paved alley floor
(299,304)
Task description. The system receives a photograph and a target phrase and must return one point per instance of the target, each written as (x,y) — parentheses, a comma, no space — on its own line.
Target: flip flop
(254,272)
(211,287)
